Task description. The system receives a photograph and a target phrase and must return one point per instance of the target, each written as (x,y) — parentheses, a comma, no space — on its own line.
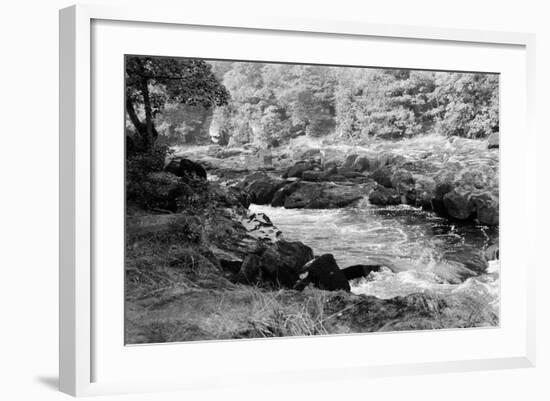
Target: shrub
(142,185)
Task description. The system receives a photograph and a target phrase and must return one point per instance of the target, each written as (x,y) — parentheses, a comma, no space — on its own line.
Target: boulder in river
(358,271)
(444,183)
(403,182)
(313,153)
(492,252)
(350,160)
(305,195)
(261,187)
(314,176)
(281,262)
(324,195)
(229,196)
(486,208)
(280,195)
(298,169)
(330,166)
(383,176)
(324,273)
(361,163)
(383,196)
(458,205)
(424,188)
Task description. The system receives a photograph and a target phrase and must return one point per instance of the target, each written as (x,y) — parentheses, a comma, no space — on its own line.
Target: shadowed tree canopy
(153,81)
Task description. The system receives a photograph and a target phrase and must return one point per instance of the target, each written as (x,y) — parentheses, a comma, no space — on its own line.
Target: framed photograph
(259,198)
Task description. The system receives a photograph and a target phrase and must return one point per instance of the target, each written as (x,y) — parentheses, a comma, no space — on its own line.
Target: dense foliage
(274,102)
(152,83)
(236,103)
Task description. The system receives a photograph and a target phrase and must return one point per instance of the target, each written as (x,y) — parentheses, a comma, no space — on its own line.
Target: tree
(307,95)
(153,81)
(468,104)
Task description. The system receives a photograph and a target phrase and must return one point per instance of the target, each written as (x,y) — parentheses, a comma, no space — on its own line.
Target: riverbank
(206,265)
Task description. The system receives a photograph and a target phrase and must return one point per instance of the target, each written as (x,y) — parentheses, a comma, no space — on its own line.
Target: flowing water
(418,250)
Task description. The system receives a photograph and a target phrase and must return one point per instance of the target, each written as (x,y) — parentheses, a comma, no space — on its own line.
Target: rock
(324,195)
(186,168)
(298,169)
(227,153)
(473,261)
(383,177)
(493,141)
(280,195)
(444,183)
(229,196)
(403,182)
(250,269)
(350,160)
(231,265)
(383,196)
(281,262)
(351,174)
(259,226)
(424,188)
(229,240)
(310,154)
(261,187)
(325,274)
(330,167)
(305,195)
(475,179)
(413,312)
(313,175)
(492,252)
(458,205)
(487,208)
(361,163)
(337,196)
(358,271)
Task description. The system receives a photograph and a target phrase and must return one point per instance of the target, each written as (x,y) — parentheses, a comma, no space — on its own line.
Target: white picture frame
(78,367)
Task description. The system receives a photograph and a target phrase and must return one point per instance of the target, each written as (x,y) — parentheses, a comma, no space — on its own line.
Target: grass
(239,312)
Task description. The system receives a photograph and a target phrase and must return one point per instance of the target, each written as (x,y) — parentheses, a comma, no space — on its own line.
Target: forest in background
(268,104)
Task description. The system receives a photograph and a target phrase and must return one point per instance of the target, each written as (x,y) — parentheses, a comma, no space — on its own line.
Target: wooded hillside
(270,103)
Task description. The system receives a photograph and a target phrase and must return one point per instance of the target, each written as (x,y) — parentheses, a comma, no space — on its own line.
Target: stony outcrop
(383,176)
(298,169)
(359,271)
(323,272)
(281,263)
(458,205)
(492,252)
(383,196)
(280,195)
(261,187)
(325,195)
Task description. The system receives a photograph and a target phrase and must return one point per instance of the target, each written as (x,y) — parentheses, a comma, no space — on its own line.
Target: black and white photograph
(268,199)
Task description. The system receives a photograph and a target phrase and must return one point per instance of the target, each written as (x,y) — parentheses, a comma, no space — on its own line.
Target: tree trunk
(150,131)
(147,134)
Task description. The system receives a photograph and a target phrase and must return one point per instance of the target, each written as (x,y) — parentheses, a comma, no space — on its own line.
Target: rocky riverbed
(220,259)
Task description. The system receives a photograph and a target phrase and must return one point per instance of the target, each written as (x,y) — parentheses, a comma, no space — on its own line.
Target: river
(419,251)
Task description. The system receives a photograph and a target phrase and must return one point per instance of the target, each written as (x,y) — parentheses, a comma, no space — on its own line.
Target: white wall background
(29,200)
